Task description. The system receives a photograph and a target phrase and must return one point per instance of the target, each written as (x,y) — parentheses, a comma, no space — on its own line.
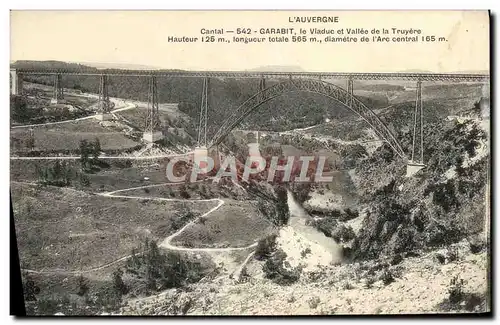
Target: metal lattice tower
(152,119)
(104,103)
(350,91)
(58,89)
(202,127)
(417,154)
(262,86)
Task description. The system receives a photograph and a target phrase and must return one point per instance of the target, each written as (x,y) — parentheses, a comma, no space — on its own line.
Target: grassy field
(137,117)
(61,228)
(67,137)
(195,191)
(119,174)
(235,224)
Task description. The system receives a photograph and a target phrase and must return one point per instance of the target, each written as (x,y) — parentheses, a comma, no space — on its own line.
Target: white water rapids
(297,237)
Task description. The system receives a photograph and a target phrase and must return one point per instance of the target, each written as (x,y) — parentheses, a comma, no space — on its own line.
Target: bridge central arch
(312,86)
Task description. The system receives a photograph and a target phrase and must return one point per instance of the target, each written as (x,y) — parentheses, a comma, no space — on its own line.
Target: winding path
(166,244)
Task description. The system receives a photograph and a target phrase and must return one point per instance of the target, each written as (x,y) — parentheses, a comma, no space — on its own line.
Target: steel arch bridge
(345,97)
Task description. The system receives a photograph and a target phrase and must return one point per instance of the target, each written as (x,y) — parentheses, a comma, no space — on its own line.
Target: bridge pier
(350,91)
(103,105)
(151,131)
(16,83)
(416,163)
(262,87)
(58,95)
(413,168)
(202,126)
(200,159)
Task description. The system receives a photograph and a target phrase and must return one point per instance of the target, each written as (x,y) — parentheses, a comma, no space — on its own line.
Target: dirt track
(166,244)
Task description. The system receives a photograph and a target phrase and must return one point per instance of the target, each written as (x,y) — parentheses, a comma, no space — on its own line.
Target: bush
(313,302)
(326,225)
(476,246)
(183,192)
(305,252)
(387,277)
(120,286)
(59,174)
(458,299)
(456,290)
(159,271)
(275,270)
(83,285)
(282,213)
(84,180)
(265,247)
(343,234)
(182,218)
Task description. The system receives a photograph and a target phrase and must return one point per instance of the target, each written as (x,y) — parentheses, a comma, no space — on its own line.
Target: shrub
(398,258)
(83,286)
(326,225)
(452,254)
(476,246)
(282,213)
(183,192)
(265,247)
(343,234)
(120,286)
(370,280)
(387,277)
(274,269)
(182,218)
(59,174)
(458,299)
(159,271)
(305,252)
(456,290)
(313,302)
(84,179)
(347,286)
(349,214)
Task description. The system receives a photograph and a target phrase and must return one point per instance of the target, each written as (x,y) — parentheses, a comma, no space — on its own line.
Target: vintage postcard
(251,162)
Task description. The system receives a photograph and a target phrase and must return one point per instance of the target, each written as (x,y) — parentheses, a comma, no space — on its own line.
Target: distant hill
(126,66)
(457,72)
(50,64)
(278,68)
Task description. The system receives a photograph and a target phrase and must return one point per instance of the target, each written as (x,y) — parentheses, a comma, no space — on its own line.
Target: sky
(141,38)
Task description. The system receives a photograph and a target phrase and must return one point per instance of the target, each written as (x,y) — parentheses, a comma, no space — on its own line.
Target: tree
(83,286)
(96,149)
(282,212)
(30,141)
(118,284)
(265,247)
(84,180)
(84,155)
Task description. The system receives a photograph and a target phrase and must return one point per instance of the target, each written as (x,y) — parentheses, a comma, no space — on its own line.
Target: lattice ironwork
(58,88)
(350,91)
(202,126)
(309,85)
(449,77)
(152,120)
(104,105)
(417,153)
(262,87)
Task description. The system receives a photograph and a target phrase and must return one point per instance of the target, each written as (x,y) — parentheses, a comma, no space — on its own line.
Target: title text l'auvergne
(313,19)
